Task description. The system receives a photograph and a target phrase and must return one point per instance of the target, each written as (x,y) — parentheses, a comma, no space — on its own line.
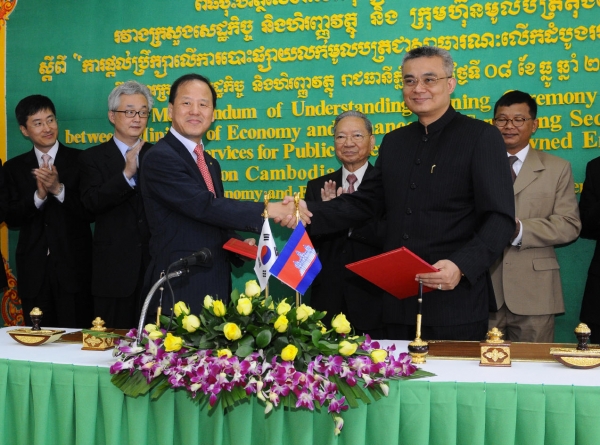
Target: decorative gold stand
(418,349)
(93,343)
(35,336)
(495,351)
(581,357)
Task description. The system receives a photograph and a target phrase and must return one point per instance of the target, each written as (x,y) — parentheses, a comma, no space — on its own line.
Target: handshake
(289,212)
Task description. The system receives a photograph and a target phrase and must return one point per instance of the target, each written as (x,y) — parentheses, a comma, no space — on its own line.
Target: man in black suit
(445,186)
(54,250)
(336,289)
(110,190)
(589,208)
(184,198)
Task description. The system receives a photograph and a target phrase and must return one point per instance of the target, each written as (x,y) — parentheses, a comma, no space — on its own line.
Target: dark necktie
(135,175)
(351,178)
(512,160)
(204,168)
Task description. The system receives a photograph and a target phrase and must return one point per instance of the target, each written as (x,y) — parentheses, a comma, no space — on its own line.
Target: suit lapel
(113,157)
(529,171)
(185,155)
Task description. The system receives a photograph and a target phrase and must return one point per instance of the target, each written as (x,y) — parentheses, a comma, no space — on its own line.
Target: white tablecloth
(445,370)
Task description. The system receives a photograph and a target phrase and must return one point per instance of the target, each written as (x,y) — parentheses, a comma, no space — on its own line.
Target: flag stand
(297,203)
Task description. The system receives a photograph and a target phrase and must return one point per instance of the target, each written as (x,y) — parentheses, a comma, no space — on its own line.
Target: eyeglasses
(356,138)
(426,81)
(131,113)
(516,121)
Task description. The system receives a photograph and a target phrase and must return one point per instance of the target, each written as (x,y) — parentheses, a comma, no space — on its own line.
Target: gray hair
(128,88)
(353,113)
(431,51)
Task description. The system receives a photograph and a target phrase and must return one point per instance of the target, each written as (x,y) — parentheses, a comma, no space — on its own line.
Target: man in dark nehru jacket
(336,289)
(445,187)
(54,250)
(110,190)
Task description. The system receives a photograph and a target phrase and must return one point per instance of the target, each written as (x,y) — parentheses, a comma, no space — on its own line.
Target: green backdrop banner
(283,70)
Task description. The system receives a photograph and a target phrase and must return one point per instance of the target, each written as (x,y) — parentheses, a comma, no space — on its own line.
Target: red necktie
(204,168)
(351,178)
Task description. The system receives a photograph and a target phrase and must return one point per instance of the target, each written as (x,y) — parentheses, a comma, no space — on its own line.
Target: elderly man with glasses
(110,190)
(526,278)
(444,185)
(336,289)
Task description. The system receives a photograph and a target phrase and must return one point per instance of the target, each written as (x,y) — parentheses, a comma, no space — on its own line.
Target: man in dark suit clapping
(110,190)
(336,289)
(55,241)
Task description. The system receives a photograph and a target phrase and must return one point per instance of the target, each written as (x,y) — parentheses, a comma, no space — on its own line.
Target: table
(58,394)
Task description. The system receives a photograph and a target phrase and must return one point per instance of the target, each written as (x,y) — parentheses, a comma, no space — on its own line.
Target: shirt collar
(440,123)
(52,152)
(122,146)
(188,143)
(521,154)
(360,173)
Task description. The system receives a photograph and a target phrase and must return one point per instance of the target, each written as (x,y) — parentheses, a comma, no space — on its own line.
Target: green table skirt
(45,404)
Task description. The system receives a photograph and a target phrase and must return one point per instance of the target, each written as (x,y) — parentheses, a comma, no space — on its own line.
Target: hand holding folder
(394,272)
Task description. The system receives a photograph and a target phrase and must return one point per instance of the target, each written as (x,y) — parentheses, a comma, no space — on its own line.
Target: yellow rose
(208,302)
(224,353)
(252,289)
(155,334)
(281,324)
(190,323)
(231,330)
(322,326)
(378,355)
(244,306)
(303,312)
(181,308)
(283,307)
(150,327)
(289,353)
(346,348)
(219,308)
(341,324)
(173,343)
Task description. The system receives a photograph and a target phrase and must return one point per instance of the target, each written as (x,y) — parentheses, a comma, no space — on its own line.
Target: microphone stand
(148,299)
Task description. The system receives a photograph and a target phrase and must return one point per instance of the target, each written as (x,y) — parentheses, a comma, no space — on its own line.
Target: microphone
(203,256)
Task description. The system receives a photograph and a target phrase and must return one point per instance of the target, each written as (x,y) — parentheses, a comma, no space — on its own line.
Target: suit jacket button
(405,236)
(413,186)
(408,211)
(417,161)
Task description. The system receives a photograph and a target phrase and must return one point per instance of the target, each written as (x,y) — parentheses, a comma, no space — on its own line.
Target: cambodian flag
(266,256)
(298,263)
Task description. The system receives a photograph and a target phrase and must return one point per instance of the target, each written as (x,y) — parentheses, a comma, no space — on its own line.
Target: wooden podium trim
(470,350)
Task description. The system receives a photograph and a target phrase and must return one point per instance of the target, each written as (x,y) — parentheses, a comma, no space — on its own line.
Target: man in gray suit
(526,279)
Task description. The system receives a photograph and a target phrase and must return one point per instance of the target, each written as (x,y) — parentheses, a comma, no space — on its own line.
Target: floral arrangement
(282,354)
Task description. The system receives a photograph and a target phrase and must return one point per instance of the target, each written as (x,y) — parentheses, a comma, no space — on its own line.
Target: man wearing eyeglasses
(526,278)
(110,190)
(336,289)
(444,185)
(54,250)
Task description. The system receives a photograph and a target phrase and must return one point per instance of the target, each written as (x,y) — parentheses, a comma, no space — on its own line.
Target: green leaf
(316,336)
(418,374)
(346,391)
(263,338)
(235,296)
(244,350)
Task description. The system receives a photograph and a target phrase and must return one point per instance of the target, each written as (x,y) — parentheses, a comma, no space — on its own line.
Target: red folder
(241,248)
(394,272)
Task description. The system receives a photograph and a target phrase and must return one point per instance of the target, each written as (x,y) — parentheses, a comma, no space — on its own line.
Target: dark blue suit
(184,217)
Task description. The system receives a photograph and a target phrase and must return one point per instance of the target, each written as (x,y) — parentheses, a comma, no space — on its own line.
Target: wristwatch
(60,190)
